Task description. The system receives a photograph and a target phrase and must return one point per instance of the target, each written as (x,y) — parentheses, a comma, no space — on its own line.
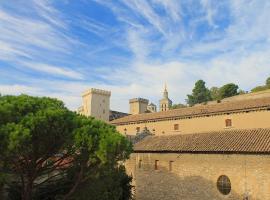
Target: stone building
(96,103)
(165,103)
(206,152)
(152,108)
(138,106)
(219,165)
(241,114)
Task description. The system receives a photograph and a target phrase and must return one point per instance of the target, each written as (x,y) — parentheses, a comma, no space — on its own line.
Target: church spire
(165,93)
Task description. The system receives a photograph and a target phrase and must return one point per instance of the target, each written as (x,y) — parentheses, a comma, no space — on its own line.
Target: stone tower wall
(96,103)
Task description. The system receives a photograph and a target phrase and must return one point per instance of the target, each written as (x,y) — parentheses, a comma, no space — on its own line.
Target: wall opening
(156,164)
(228,122)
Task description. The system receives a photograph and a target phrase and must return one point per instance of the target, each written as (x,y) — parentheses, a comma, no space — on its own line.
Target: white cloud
(53,70)
(16,89)
(165,47)
(48,12)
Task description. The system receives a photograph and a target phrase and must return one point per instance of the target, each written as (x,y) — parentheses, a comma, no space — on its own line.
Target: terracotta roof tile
(227,141)
(202,110)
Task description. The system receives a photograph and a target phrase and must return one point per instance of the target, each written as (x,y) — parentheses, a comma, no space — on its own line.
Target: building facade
(152,108)
(219,151)
(138,106)
(244,114)
(222,165)
(96,103)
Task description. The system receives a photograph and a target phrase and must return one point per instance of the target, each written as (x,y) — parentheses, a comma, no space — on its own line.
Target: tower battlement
(96,91)
(142,100)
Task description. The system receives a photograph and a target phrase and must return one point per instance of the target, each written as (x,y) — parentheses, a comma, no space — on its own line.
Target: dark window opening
(156,164)
(228,122)
(170,166)
(224,185)
(176,127)
(138,129)
(140,163)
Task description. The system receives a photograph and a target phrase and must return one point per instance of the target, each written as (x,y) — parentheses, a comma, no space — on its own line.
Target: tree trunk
(27,191)
(73,189)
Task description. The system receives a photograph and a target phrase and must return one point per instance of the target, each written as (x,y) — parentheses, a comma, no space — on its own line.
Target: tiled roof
(228,141)
(202,110)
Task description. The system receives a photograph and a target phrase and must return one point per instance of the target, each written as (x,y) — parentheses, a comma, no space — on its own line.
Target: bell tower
(165,103)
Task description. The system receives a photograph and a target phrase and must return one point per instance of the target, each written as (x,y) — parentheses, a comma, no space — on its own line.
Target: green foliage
(259,88)
(214,91)
(110,184)
(176,106)
(228,90)
(242,92)
(263,87)
(40,136)
(200,94)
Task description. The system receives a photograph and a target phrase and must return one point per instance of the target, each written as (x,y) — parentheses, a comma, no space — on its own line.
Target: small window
(156,164)
(138,129)
(103,111)
(103,100)
(176,127)
(140,163)
(170,166)
(224,185)
(228,122)
(125,130)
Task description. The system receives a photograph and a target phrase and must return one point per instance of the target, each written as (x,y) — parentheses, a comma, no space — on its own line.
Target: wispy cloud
(133,47)
(53,70)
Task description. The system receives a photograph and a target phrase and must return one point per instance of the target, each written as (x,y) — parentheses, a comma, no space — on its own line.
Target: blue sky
(59,48)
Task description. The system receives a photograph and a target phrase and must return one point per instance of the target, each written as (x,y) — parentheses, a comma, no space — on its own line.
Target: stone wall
(194,176)
(244,120)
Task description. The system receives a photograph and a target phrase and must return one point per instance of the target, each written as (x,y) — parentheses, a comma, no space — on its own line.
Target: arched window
(224,185)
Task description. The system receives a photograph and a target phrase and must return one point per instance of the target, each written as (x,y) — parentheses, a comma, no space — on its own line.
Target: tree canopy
(176,106)
(200,94)
(228,90)
(43,143)
(262,87)
(214,91)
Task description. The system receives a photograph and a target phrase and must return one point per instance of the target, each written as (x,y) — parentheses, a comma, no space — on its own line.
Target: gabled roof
(197,111)
(228,141)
